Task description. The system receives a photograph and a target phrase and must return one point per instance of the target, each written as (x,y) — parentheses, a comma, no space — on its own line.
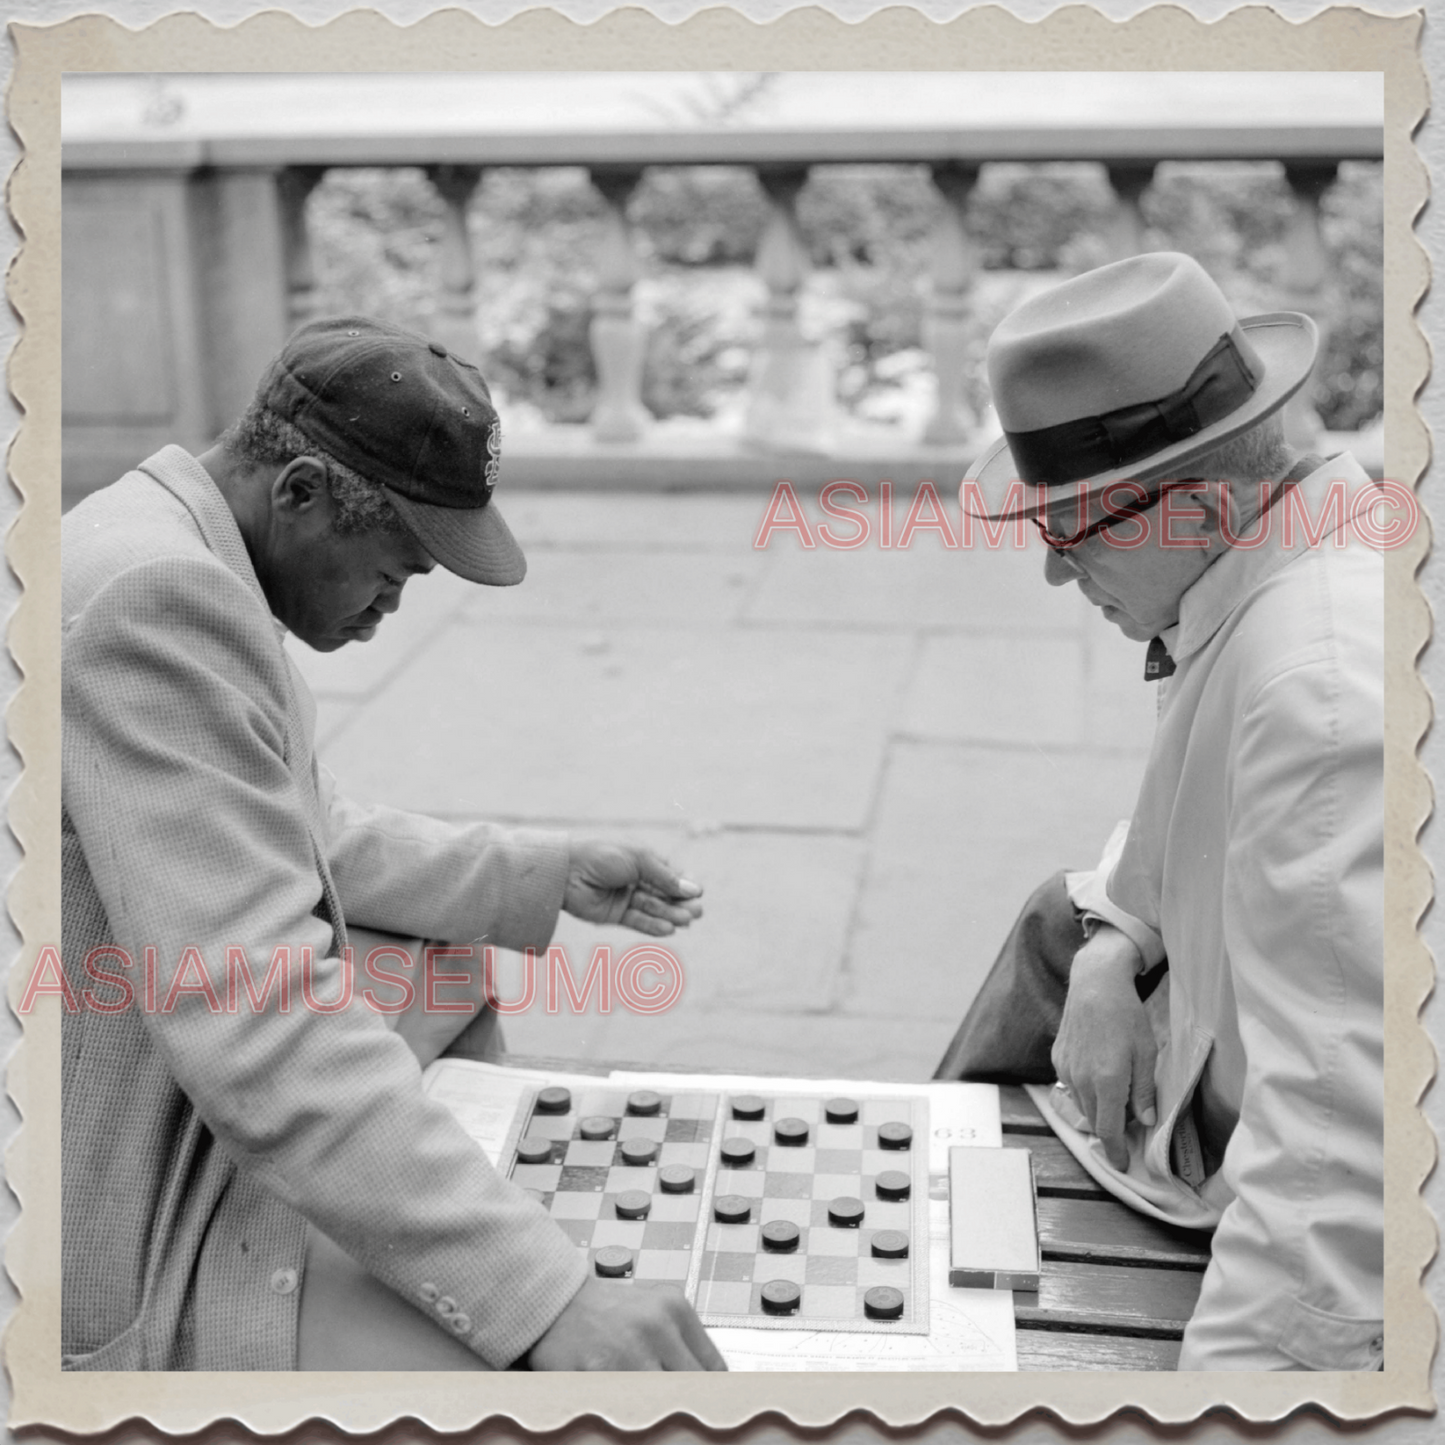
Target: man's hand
(622,883)
(1105,1051)
(615,1327)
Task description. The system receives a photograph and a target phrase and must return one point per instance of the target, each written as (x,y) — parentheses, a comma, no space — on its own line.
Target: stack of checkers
(621,1172)
(815,1209)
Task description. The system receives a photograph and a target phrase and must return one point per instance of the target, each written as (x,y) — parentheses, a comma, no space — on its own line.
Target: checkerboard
(722,1268)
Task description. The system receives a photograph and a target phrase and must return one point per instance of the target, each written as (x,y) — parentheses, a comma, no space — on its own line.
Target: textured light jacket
(197,1140)
(1255,861)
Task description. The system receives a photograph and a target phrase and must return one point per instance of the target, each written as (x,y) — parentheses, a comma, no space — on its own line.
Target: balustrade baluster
(1307,287)
(619,340)
(1126,228)
(945,319)
(293,185)
(454,323)
(790,403)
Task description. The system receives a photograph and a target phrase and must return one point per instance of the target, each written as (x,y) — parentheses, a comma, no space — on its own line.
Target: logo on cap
(494,458)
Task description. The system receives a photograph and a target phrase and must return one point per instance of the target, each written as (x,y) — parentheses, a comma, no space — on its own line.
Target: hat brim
(473,542)
(1286,341)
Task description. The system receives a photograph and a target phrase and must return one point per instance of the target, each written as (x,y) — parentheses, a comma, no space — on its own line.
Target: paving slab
(770,727)
(1084,690)
(977,590)
(589,519)
(963,836)
(777,909)
(747,1040)
(569,584)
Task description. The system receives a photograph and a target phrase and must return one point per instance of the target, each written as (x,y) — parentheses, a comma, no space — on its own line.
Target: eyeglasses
(1115,515)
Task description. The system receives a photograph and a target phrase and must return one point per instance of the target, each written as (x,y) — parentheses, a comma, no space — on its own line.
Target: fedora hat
(1128,373)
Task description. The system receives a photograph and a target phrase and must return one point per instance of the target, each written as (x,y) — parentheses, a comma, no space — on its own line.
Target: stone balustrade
(187,261)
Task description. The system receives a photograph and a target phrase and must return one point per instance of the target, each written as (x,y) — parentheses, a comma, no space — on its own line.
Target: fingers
(1109,1120)
(659,877)
(1141,1095)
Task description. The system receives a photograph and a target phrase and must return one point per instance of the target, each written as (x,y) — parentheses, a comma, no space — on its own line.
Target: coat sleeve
(474,884)
(177,779)
(1295,1279)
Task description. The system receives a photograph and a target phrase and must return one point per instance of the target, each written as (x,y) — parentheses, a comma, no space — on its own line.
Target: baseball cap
(404,411)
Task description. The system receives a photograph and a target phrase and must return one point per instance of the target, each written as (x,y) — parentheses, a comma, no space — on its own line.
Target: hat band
(1054,455)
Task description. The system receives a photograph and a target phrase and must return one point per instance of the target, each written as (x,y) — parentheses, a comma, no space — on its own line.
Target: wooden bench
(1117,1288)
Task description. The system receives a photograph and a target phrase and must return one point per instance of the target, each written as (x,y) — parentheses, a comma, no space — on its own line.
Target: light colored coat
(196,1143)
(1255,861)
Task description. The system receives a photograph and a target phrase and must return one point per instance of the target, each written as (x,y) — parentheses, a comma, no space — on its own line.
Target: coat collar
(192,485)
(1240,571)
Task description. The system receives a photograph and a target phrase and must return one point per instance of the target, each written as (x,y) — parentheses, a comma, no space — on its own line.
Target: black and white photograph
(722,721)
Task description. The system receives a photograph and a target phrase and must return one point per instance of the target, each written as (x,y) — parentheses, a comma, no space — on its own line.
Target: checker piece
(895,1136)
(638,1152)
(644,1103)
(737,1153)
(782,1297)
(748,1106)
(883,1302)
(613,1261)
(890,1244)
(841,1111)
(846,1212)
(732,1209)
(893,1184)
(633,1204)
(790,1132)
(598,1126)
(677,1179)
(534,1150)
(781,1236)
(554,1099)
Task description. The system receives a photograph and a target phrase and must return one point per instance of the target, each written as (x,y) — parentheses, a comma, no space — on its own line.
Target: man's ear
(300,487)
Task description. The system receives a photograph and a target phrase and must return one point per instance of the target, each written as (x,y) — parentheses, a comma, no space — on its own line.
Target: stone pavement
(868,758)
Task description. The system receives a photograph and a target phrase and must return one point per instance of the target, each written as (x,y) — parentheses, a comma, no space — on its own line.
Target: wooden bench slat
(1018,1113)
(1107,1232)
(1105,1298)
(1056,1171)
(1066,1350)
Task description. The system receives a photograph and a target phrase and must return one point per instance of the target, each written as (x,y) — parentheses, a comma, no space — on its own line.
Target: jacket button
(1377,1345)
(283,1281)
(429,1292)
(446,1305)
(461,1324)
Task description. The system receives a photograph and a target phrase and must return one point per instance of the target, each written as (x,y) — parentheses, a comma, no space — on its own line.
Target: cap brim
(1286,342)
(473,542)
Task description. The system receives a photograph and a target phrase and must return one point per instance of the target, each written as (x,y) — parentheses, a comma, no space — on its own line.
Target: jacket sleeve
(469,884)
(178,780)
(1295,1279)
(1089,893)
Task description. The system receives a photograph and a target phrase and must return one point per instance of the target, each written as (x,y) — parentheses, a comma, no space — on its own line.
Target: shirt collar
(1239,571)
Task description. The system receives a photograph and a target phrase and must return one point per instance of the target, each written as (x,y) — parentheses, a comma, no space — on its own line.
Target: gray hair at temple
(260,438)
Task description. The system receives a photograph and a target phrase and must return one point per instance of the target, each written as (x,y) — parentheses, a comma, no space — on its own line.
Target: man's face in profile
(330,587)
(1134,569)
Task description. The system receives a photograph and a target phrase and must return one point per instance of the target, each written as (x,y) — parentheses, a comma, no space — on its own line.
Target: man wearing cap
(1210,997)
(217,1150)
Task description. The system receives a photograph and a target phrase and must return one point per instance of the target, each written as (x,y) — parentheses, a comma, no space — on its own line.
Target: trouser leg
(1008,1033)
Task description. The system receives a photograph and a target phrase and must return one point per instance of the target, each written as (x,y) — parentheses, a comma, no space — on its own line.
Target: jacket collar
(1240,571)
(191,484)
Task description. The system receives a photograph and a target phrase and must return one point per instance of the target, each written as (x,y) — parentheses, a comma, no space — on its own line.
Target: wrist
(1110,951)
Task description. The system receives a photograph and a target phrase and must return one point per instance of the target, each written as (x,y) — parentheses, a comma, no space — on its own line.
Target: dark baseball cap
(406,412)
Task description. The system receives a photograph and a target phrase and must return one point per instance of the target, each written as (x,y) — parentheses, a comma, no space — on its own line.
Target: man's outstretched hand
(615,1327)
(1105,1050)
(622,883)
